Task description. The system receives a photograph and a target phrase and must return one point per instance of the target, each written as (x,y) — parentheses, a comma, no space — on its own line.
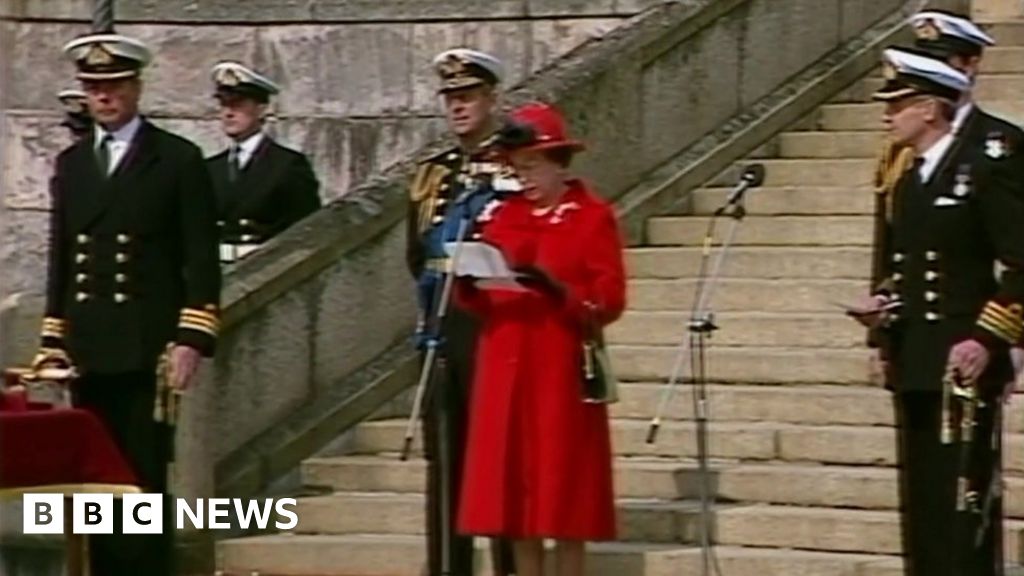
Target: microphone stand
(700,328)
(428,378)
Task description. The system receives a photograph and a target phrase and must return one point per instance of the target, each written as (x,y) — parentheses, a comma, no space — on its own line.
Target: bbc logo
(93,514)
(144,513)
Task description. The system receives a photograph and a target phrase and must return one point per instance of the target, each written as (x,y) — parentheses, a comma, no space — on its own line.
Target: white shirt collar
(961,116)
(933,156)
(247,147)
(122,135)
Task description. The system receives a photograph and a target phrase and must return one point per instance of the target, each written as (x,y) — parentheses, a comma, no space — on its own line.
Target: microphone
(752,177)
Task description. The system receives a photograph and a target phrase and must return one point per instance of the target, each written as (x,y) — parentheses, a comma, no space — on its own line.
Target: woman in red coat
(539,459)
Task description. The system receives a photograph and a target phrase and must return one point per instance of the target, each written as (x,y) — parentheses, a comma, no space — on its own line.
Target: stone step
(393,555)
(989,87)
(867,117)
(851,263)
(758,365)
(806,172)
(824,330)
(751,561)
(1006,32)
(748,441)
(856,144)
(635,477)
(646,520)
(1003,60)
(764,231)
(811,404)
(825,529)
(745,294)
(792,200)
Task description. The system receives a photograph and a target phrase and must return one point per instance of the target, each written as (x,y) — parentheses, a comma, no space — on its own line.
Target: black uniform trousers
(124,402)
(444,437)
(938,540)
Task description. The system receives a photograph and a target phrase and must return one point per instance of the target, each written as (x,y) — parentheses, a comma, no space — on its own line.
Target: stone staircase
(802,443)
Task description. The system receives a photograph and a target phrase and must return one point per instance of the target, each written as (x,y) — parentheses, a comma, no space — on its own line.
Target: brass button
(437,219)
(81,296)
(897,257)
(81,277)
(83,239)
(441,202)
(120,297)
(931,276)
(121,278)
(932,316)
(931,255)
(81,257)
(244,222)
(123,238)
(444,186)
(896,277)
(220,223)
(931,296)
(121,257)
(453,156)
(247,238)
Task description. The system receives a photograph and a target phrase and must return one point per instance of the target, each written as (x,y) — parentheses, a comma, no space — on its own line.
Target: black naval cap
(910,73)
(107,56)
(232,79)
(76,113)
(947,34)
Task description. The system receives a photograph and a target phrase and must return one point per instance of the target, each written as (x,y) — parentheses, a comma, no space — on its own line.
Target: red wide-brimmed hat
(537,126)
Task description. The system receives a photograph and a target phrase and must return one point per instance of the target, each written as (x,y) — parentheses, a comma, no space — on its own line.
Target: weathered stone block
(23,251)
(203,133)
(553,38)
(349,70)
(364,306)
(21,315)
(264,371)
(805,31)
(549,8)
(41,69)
(692,88)
(856,15)
(31,145)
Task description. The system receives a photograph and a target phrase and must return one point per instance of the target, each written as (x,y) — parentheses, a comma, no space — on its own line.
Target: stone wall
(358,87)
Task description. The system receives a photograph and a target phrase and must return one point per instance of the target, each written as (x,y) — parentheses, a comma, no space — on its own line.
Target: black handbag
(599,383)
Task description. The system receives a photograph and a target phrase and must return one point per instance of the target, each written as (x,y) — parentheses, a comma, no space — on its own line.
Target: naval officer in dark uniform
(956,213)
(76,113)
(469,90)
(959,42)
(262,187)
(133,276)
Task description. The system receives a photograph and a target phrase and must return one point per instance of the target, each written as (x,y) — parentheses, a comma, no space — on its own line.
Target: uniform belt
(441,265)
(235,252)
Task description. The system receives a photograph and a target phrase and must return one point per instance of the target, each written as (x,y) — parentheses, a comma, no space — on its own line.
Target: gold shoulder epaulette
(895,160)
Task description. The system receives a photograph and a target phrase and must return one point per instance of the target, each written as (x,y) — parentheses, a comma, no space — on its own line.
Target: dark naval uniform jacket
(275,189)
(976,136)
(133,255)
(947,237)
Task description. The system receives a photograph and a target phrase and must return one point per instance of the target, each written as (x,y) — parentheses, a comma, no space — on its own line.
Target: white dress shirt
(246,148)
(933,156)
(121,140)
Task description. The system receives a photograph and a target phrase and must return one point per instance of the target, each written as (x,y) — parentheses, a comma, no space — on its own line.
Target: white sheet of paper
(485,263)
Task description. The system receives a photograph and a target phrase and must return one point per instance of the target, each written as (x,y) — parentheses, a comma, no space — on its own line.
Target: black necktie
(103,154)
(234,162)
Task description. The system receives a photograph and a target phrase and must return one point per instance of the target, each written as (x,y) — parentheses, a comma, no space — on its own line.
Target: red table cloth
(58,450)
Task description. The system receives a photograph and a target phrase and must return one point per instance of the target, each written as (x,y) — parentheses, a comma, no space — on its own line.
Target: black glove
(536,278)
